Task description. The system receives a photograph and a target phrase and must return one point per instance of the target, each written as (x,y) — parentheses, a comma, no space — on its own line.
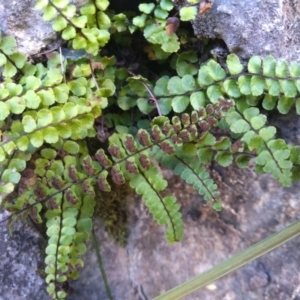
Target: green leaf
(33,83)
(77,87)
(61,93)
(224,159)
(9,70)
(125,103)
(204,77)
(68,33)
(197,100)
(258,121)
(240,126)
(294,69)
(273,87)
(59,24)
(146,8)
(60,3)
(47,97)
(166,5)
(88,9)
(139,21)
(188,13)
(233,64)
(214,93)
(204,155)
(250,113)
(180,103)
(269,65)
(269,102)
(267,133)
(17,105)
(9,147)
(32,99)
(11,176)
(288,87)
(49,13)
(161,85)
(19,59)
(48,153)
(188,83)
(2,59)
(40,4)
(29,123)
(17,164)
(71,147)
(37,139)
(4,93)
(231,88)
(257,86)
(103,20)
(244,83)
(144,106)
(14,89)
(8,45)
(298,106)
(254,64)
(256,142)
(79,22)
(53,77)
(63,131)
(217,206)
(22,143)
(102,4)
(185,63)
(281,68)
(84,225)
(175,86)
(50,135)
(171,43)
(160,13)
(215,70)
(284,104)
(69,11)
(44,117)
(222,144)
(6,189)
(243,161)
(2,156)
(4,111)
(207,139)
(79,42)
(107,88)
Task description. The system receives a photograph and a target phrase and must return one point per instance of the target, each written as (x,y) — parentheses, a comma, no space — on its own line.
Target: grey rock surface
(21,262)
(19,19)
(253,27)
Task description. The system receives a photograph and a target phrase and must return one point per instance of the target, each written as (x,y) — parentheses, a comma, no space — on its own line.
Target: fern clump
(72,128)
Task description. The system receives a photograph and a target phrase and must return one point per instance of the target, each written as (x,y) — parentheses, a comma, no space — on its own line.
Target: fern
(71,127)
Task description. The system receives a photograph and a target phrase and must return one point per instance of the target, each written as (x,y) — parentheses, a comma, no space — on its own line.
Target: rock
(253,27)
(21,262)
(20,20)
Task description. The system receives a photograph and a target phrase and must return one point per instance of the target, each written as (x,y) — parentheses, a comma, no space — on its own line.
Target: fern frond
(149,184)
(190,171)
